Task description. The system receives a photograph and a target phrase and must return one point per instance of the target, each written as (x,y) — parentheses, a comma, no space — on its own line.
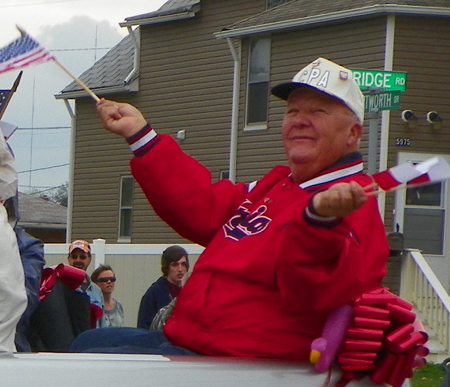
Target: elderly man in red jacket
(282,252)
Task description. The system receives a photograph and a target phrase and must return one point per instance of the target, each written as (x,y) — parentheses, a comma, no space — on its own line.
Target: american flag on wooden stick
(26,51)
(22,52)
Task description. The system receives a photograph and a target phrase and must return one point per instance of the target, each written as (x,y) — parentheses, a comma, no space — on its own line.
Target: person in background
(80,257)
(13,293)
(32,256)
(174,266)
(105,278)
(31,252)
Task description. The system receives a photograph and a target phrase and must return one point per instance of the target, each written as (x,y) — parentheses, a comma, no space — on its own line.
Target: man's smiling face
(317,131)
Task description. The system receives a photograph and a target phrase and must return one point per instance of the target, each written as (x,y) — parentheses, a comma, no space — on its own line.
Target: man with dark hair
(174,266)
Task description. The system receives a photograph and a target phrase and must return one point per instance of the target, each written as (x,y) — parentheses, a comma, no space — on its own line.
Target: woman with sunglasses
(105,278)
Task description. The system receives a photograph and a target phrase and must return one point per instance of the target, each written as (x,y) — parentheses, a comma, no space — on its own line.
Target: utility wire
(45,128)
(80,49)
(44,190)
(45,168)
(31,4)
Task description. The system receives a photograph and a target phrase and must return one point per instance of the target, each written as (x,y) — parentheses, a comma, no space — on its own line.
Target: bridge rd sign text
(384,80)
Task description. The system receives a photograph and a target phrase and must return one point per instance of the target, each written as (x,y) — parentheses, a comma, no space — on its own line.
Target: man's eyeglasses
(106,279)
(81,256)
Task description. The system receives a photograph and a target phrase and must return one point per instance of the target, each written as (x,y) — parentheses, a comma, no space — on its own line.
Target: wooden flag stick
(78,81)
(397,188)
(401,186)
(369,186)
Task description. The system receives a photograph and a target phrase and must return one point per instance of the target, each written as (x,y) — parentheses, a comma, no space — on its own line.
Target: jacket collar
(349,165)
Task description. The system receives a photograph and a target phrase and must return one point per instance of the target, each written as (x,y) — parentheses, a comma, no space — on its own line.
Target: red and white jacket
(272,270)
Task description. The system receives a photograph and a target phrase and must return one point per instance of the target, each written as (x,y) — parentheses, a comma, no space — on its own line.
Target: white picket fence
(136,267)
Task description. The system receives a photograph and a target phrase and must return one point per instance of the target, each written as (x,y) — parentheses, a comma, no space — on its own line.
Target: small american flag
(22,52)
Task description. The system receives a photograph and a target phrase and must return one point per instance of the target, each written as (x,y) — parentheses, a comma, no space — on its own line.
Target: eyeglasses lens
(106,279)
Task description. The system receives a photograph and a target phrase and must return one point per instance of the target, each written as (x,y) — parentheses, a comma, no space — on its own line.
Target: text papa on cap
(327,77)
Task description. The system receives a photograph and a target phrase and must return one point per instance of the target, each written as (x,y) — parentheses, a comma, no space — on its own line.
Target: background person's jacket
(156,297)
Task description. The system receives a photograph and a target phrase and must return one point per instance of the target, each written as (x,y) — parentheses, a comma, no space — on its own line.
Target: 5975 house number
(402,141)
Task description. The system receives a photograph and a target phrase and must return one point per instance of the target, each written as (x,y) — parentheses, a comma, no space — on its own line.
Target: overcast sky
(78,33)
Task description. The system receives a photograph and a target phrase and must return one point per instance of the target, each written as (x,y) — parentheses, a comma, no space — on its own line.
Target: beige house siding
(100,160)
(186,80)
(424,54)
(185,83)
(357,44)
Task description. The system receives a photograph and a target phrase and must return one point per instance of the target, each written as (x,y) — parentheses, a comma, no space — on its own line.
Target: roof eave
(53,226)
(158,19)
(126,88)
(390,9)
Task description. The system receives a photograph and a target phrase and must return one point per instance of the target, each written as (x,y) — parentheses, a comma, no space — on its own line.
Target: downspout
(385,115)
(136,56)
(71,172)
(234,110)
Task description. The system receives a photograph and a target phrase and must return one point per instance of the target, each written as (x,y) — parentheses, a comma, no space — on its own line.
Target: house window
(258,82)
(224,174)
(274,3)
(126,207)
(424,218)
(422,213)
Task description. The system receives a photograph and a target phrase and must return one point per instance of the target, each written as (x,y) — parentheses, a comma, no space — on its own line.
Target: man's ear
(355,135)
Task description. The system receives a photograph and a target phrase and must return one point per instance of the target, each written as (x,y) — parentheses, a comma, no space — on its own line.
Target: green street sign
(384,100)
(385,80)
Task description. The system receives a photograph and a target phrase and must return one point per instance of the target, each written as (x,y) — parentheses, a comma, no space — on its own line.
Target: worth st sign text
(385,100)
(384,80)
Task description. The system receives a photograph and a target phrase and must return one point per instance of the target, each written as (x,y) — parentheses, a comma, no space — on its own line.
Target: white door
(422,216)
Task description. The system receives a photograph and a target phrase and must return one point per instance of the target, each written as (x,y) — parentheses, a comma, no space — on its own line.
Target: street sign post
(381,91)
(386,80)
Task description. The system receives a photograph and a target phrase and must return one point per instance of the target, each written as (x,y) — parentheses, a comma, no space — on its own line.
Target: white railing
(420,286)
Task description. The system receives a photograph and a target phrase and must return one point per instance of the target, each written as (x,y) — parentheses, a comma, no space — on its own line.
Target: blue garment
(126,340)
(96,296)
(156,297)
(32,256)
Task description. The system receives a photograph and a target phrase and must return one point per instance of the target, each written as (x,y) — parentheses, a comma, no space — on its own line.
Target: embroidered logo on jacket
(245,223)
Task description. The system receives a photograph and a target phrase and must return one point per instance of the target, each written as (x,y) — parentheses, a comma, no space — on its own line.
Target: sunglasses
(106,279)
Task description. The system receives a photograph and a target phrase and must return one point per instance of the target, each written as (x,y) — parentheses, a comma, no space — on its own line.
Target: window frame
(125,207)
(256,125)
(400,204)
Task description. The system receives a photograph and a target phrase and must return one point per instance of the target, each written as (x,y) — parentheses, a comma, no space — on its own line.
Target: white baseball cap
(330,78)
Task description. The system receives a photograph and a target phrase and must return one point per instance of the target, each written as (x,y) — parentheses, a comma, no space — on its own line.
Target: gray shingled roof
(109,73)
(111,70)
(168,8)
(304,9)
(41,212)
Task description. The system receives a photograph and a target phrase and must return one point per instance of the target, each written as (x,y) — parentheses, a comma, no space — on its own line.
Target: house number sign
(400,141)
